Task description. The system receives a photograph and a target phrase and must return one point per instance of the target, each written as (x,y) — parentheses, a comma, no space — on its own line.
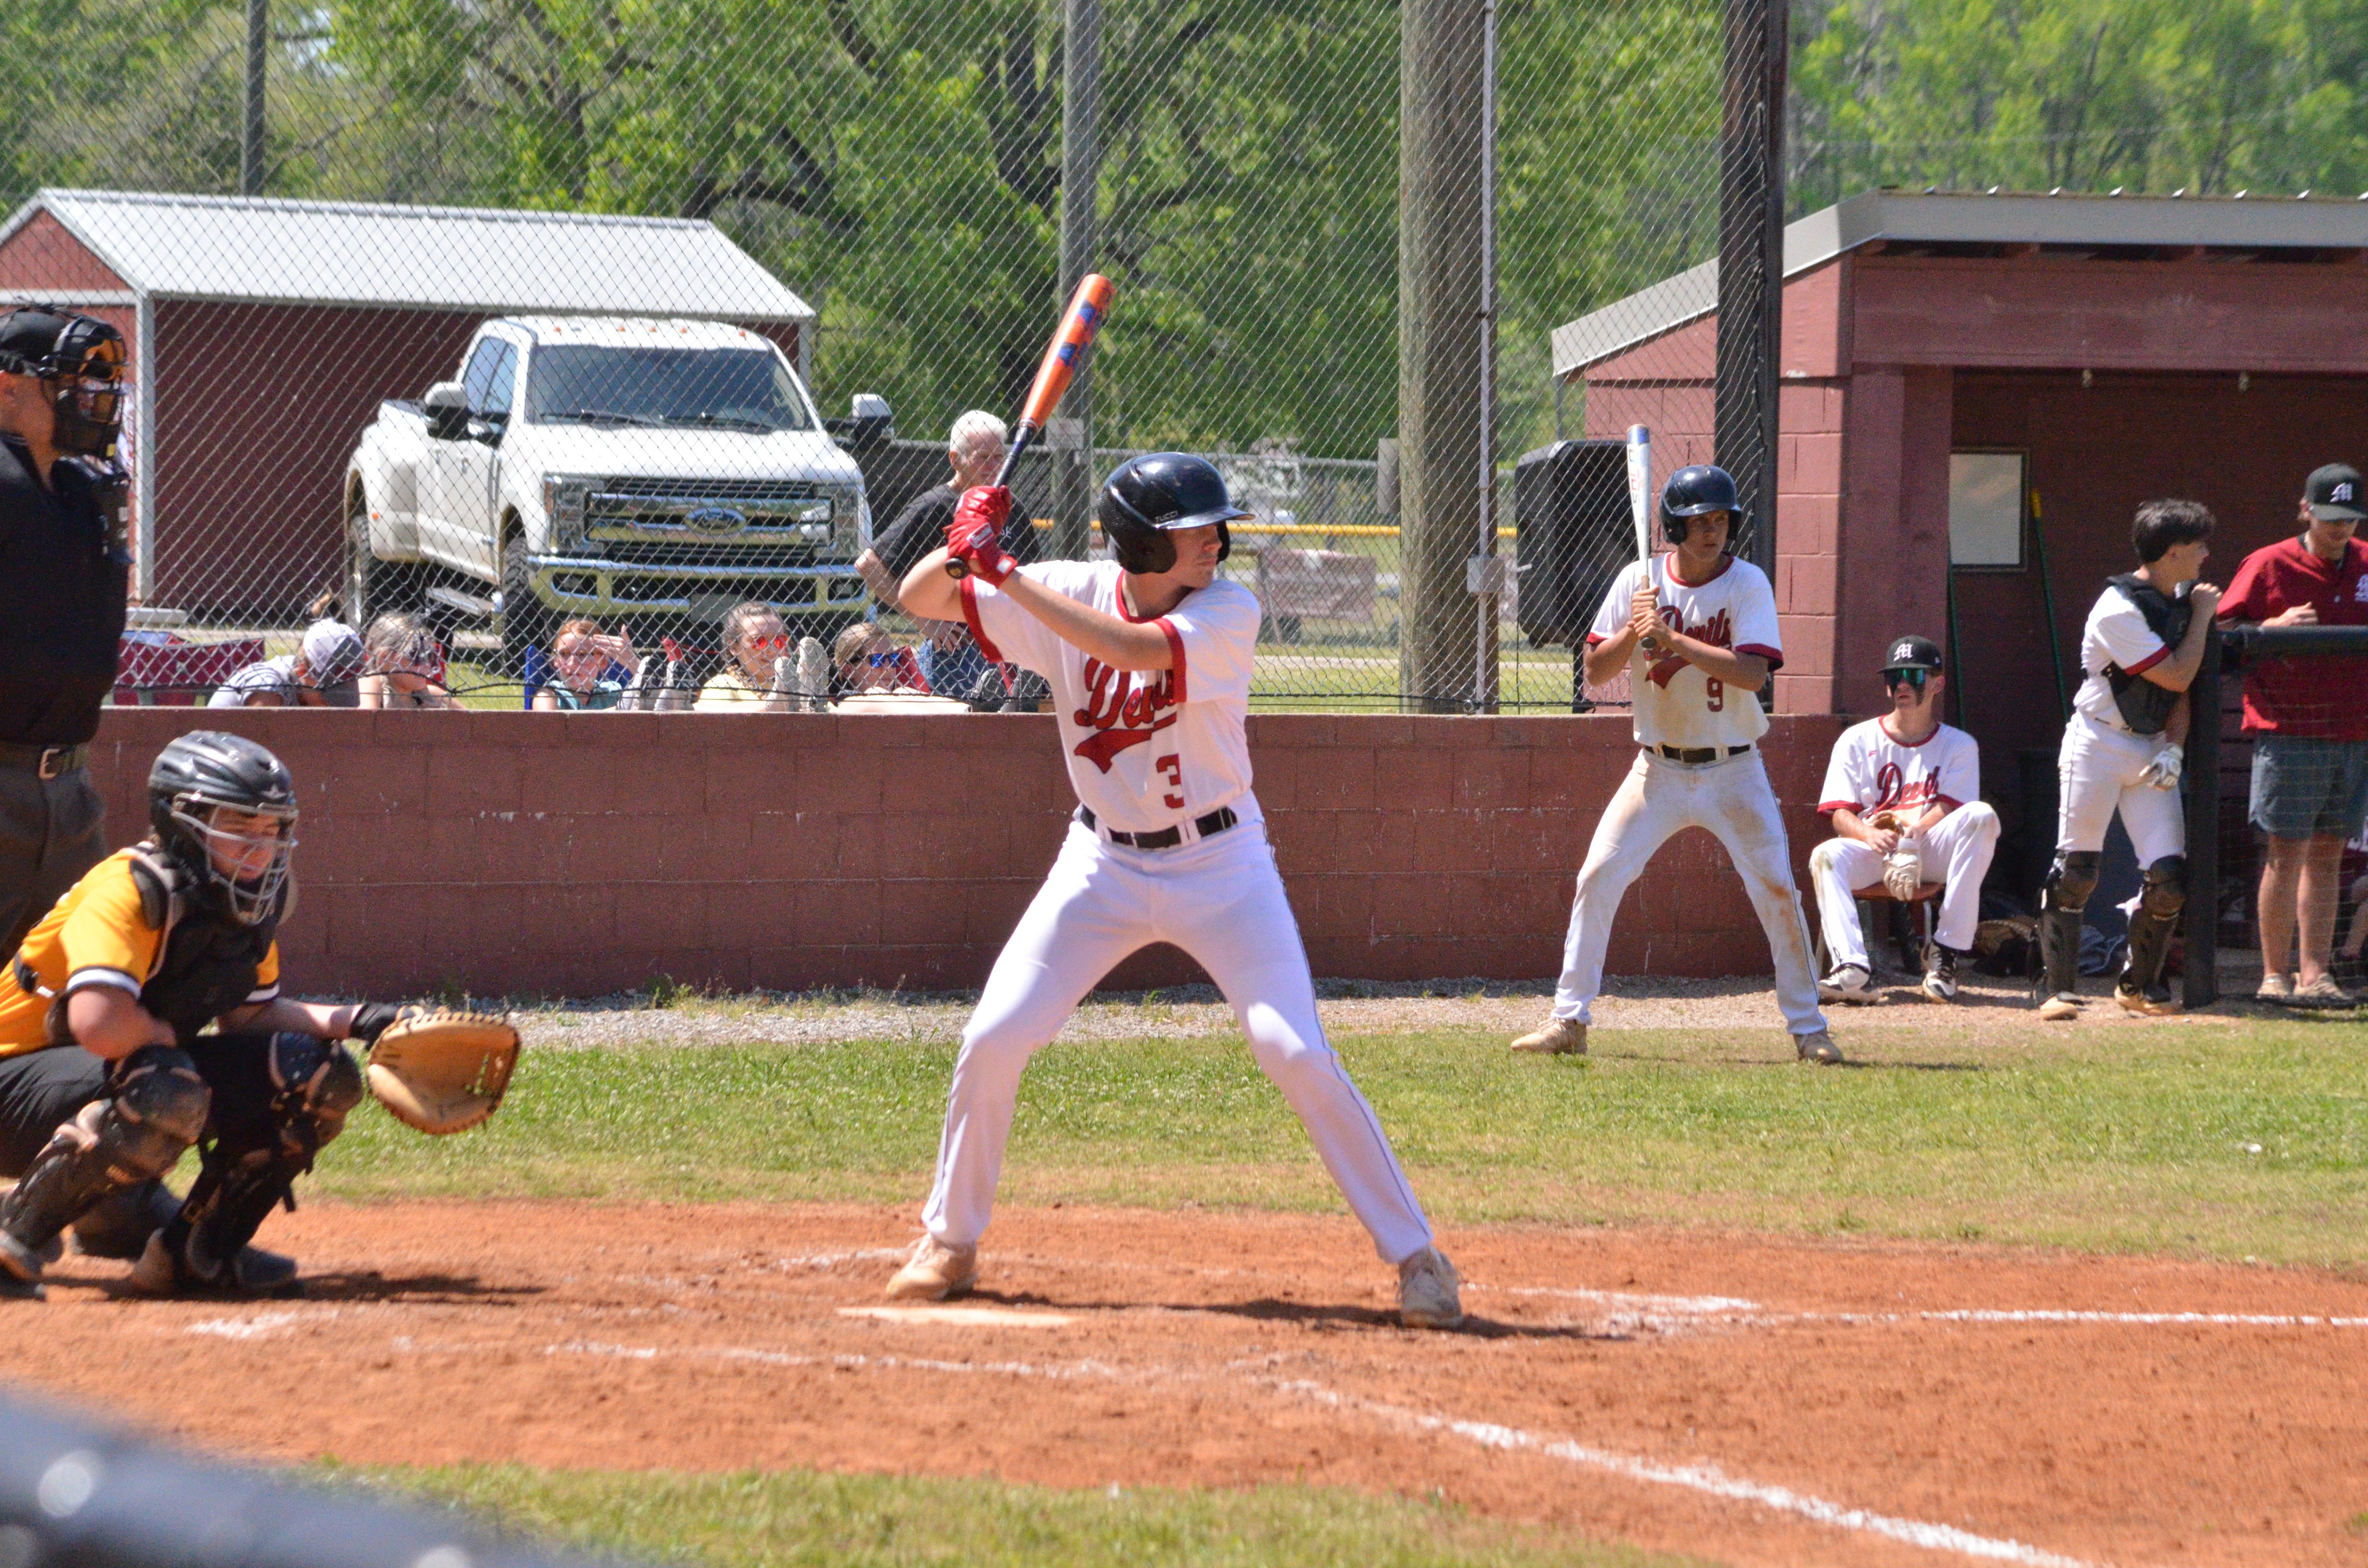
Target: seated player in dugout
(105,1076)
(1904,794)
(2123,750)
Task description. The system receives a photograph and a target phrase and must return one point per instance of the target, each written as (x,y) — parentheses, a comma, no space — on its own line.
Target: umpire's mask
(79,361)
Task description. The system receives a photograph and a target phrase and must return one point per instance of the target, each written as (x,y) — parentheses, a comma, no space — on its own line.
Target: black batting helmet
(1705,488)
(1149,495)
(205,769)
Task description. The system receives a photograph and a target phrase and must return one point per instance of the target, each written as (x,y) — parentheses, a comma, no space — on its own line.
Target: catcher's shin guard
(2069,882)
(2160,900)
(251,1168)
(157,1110)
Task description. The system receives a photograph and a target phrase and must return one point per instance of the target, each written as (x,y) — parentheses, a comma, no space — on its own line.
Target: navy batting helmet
(1705,488)
(1158,492)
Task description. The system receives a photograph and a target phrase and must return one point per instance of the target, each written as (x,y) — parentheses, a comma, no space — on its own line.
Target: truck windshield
(731,388)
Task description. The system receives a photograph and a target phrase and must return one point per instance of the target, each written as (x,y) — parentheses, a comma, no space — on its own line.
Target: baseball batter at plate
(1149,660)
(1695,628)
(1904,794)
(2123,750)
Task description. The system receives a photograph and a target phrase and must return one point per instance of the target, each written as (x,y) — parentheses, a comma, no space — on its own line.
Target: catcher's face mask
(79,361)
(247,852)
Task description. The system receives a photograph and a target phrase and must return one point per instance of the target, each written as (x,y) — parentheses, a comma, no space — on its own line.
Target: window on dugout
(1986,509)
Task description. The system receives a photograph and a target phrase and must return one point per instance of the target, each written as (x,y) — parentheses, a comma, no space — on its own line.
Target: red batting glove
(975,536)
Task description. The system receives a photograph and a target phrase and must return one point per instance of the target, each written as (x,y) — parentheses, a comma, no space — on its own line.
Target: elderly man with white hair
(974,447)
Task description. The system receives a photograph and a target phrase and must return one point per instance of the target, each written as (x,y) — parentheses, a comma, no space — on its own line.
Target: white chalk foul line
(1703,1478)
(1707,1478)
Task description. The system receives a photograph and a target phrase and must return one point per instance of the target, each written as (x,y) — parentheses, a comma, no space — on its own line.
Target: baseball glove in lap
(1903,868)
(443,1071)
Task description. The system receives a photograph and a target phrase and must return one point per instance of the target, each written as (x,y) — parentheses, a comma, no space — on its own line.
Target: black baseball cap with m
(2334,495)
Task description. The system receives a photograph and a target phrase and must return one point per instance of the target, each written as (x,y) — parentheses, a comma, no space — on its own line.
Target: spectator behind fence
(403,665)
(324,672)
(864,659)
(761,675)
(64,573)
(974,447)
(2308,718)
(585,663)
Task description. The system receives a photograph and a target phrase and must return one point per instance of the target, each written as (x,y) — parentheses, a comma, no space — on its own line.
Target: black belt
(1697,755)
(1215,822)
(50,762)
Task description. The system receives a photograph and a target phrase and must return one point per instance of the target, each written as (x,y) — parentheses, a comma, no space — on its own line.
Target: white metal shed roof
(1957,216)
(260,250)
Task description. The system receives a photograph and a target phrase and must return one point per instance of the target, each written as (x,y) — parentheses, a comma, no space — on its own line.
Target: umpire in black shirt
(64,568)
(974,447)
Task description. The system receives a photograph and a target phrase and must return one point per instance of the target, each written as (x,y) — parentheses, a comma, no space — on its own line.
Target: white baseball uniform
(1869,772)
(1678,707)
(1149,752)
(2097,768)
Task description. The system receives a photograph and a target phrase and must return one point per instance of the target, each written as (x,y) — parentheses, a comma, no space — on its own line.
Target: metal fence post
(1751,263)
(2202,774)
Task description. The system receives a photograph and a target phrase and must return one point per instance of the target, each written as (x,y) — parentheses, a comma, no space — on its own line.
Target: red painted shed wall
(42,255)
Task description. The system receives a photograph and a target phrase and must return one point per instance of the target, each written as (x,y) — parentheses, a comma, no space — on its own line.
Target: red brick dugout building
(2003,379)
(263,335)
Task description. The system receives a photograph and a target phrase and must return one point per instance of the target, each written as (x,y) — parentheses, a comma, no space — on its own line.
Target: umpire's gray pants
(51,831)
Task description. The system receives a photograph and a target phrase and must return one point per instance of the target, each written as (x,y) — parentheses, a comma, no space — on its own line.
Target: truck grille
(668,553)
(726,491)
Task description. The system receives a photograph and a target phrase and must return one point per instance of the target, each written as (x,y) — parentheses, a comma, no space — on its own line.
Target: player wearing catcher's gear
(105,1078)
(1904,791)
(1149,660)
(2122,751)
(1696,631)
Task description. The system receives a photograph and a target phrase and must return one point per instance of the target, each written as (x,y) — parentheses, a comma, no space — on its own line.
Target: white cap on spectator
(333,652)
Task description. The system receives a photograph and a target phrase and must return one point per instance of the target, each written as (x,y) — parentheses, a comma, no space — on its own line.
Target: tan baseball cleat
(2147,1004)
(1561,1037)
(2058,1008)
(1429,1293)
(934,1272)
(1817,1047)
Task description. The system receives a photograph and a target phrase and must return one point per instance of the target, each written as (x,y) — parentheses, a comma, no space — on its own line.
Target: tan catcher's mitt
(443,1071)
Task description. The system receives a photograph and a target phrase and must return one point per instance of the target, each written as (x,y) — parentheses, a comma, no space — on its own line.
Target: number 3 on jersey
(1172,766)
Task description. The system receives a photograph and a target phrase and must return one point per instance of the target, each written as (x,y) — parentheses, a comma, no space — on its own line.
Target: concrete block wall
(584,854)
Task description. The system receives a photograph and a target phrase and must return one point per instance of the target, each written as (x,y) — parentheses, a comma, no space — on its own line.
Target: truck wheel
(373,586)
(525,622)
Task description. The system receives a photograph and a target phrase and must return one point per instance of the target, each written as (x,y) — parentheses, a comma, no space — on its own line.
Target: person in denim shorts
(2309,720)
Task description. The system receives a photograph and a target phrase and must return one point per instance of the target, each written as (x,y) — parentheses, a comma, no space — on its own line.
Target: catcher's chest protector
(2146,707)
(206,962)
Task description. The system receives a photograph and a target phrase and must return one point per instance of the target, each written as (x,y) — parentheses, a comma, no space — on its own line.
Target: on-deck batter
(1149,660)
(1904,794)
(1696,630)
(2123,750)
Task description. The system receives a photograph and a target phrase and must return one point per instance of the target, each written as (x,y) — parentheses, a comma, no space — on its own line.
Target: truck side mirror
(447,408)
(870,423)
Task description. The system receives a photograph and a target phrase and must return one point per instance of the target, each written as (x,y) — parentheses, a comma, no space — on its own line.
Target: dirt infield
(1749,1400)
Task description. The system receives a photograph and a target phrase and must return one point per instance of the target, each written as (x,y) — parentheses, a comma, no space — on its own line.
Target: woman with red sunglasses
(756,680)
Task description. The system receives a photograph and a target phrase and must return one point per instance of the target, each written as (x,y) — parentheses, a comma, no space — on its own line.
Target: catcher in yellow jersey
(106,1077)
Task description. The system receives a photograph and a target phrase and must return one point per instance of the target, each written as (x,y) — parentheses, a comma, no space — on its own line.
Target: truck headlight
(564,503)
(850,519)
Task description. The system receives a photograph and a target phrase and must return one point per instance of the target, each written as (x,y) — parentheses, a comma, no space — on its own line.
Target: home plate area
(1747,1399)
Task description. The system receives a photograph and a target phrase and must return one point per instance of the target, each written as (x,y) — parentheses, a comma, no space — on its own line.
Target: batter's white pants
(1658,799)
(2097,774)
(1957,851)
(1221,900)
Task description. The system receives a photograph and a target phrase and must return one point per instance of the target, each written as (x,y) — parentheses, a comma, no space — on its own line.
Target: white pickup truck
(644,471)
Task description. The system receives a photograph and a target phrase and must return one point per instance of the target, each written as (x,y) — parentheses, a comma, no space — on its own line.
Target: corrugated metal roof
(1952,217)
(259,250)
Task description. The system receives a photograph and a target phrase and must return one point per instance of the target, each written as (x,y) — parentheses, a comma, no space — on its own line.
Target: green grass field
(869,1521)
(2209,1139)
(2216,1139)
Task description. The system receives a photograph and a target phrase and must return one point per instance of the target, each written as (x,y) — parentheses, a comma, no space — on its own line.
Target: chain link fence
(1364,260)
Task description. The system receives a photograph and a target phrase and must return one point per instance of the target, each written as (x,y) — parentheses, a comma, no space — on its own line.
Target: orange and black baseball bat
(1079,322)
